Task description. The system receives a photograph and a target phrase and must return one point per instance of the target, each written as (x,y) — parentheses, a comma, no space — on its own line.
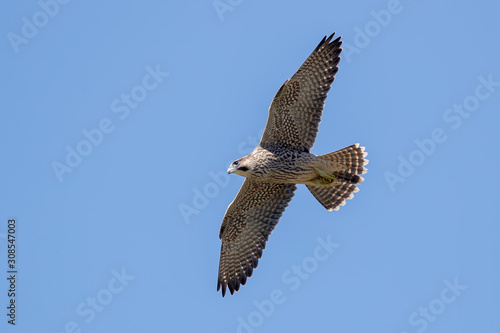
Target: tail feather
(348,177)
(333,197)
(352,157)
(349,164)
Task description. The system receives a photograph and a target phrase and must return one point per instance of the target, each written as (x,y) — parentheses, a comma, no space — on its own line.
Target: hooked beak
(231,169)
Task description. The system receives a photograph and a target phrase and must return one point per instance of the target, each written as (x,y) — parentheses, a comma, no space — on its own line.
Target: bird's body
(280,165)
(283,159)
(284,165)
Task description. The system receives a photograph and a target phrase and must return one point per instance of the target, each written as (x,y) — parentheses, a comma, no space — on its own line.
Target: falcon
(283,159)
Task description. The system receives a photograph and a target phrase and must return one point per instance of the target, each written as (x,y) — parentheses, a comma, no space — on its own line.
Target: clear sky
(118,122)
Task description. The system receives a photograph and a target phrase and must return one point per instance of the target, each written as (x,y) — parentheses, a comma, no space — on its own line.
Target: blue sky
(118,123)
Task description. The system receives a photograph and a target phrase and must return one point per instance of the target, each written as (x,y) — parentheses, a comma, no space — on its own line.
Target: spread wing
(247,224)
(295,112)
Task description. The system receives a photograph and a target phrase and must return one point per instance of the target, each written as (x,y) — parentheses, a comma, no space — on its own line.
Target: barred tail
(333,197)
(352,157)
(340,184)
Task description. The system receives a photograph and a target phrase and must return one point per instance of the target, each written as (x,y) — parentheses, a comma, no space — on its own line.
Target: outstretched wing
(247,224)
(295,112)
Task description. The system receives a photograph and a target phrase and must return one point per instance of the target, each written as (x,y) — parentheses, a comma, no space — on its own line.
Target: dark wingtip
(330,37)
(230,285)
(327,40)
(219,285)
(243,278)
(323,41)
(234,284)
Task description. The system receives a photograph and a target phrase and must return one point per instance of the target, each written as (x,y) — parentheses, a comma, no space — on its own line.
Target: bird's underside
(283,159)
(281,164)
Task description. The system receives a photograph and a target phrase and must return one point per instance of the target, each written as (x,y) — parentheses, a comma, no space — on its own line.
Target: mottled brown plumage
(283,159)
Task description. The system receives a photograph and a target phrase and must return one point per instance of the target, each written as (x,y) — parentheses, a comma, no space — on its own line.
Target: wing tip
(232,285)
(327,40)
(223,285)
(336,42)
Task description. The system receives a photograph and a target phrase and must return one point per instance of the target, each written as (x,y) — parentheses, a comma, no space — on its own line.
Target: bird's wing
(247,224)
(295,112)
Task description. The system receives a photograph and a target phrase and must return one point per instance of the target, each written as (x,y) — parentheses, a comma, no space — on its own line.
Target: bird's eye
(235,163)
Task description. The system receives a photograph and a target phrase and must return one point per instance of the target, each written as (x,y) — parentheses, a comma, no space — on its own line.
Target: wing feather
(295,112)
(247,224)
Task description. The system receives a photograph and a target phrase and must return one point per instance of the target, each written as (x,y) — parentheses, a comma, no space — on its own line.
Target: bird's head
(240,167)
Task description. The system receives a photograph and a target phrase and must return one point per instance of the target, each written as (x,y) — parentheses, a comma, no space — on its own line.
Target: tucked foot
(327,176)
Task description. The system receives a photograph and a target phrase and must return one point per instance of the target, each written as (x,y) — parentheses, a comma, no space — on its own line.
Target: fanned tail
(333,197)
(335,187)
(352,157)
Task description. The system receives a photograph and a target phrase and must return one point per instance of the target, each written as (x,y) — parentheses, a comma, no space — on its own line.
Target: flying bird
(283,159)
